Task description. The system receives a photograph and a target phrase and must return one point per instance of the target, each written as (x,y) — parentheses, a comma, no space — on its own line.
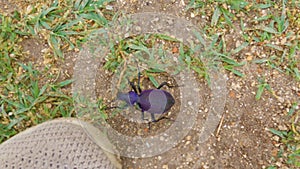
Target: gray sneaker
(62,143)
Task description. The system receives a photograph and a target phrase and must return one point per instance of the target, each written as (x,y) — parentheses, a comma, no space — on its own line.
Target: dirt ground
(241,141)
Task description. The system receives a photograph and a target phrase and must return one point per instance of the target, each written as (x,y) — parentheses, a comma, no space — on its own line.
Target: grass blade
(278,133)
(241,47)
(215,17)
(260,91)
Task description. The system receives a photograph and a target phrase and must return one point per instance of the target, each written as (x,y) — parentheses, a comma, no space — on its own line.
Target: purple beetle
(154,101)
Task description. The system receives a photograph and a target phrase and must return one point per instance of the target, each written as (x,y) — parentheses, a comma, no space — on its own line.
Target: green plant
(60,23)
(291,141)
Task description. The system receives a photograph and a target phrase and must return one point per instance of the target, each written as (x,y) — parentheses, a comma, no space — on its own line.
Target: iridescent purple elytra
(154,101)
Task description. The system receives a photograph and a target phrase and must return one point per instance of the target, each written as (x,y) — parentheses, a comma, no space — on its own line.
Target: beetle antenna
(113,107)
(139,79)
(132,85)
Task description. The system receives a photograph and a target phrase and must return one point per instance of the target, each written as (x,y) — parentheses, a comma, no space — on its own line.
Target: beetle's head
(130,98)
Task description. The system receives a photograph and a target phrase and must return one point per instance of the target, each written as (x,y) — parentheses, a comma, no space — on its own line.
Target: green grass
(290,152)
(276,34)
(66,25)
(26,101)
(27,97)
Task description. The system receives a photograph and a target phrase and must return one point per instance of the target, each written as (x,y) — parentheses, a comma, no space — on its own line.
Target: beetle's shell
(155,101)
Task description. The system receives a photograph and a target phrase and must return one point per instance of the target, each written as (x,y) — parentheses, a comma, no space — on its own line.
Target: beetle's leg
(143,115)
(164,84)
(142,111)
(153,118)
(163,117)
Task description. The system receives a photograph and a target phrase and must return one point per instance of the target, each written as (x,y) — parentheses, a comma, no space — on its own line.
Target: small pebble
(188,137)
